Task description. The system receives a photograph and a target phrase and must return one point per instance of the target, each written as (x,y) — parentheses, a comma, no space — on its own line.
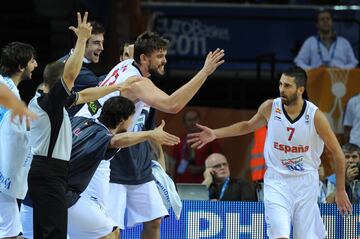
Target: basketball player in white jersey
(131,182)
(297,131)
(10,101)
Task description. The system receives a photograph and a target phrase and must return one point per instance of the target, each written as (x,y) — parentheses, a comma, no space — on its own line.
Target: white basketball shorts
(292,200)
(10,225)
(87,219)
(142,202)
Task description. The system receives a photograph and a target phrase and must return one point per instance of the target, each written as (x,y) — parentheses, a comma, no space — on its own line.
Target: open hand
(213,61)
(343,203)
(126,87)
(160,136)
(23,112)
(198,140)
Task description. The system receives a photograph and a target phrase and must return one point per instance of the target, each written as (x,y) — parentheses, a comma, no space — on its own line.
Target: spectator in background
(87,78)
(352,155)
(126,51)
(189,163)
(352,121)
(221,186)
(322,185)
(326,49)
(352,175)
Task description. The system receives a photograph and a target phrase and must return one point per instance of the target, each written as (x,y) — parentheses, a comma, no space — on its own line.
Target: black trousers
(47,186)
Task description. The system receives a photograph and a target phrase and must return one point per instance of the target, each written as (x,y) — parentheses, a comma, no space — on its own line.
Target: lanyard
(224,187)
(327,63)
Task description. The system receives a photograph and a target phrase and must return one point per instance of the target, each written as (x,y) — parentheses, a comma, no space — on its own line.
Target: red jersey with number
(292,146)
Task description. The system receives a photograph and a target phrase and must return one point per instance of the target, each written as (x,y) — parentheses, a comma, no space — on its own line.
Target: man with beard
(87,78)
(131,182)
(297,131)
(326,49)
(17,64)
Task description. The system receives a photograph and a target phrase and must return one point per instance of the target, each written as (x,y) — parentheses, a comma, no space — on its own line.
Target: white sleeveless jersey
(99,183)
(292,147)
(15,151)
(121,72)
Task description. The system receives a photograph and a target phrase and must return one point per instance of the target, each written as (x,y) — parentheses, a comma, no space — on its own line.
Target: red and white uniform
(292,154)
(292,147)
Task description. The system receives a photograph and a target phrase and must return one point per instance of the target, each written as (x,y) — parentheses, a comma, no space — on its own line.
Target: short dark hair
(13,55)
(116,109)
(97,28)
(147,43)
(53,72)
(122,46)
(299,74)
(321,11)
(349,147)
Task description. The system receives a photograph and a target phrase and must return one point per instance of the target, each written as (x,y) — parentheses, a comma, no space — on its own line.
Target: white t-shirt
(292,147)
(352,119)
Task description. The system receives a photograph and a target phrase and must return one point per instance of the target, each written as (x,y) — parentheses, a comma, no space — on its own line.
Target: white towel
(167,189)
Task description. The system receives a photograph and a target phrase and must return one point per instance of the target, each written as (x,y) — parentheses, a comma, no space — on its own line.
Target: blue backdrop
(247,33)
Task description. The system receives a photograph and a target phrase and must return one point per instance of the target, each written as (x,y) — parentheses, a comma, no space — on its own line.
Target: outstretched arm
(94,93)
(158,136)
(153,96)
(324,130)
(74,63)
(10,101)
(207,135)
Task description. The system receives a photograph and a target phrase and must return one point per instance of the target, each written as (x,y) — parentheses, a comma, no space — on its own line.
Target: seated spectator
(322,185)
(352,155)
(189,162)
(352,121)
(326,49)
(352,175)
(221,186)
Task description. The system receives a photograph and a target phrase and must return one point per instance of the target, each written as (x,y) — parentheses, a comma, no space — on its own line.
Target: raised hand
(198,140)
(125,88)
(83,29)
(23,113)
(213,61)
(208,174)
(352,172)
(160,136)
(343,203)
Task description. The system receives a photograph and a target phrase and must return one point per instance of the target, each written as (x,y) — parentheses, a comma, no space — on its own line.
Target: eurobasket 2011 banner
(241,220)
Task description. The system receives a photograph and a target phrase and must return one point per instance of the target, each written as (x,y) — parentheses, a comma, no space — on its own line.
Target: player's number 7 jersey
(292,146)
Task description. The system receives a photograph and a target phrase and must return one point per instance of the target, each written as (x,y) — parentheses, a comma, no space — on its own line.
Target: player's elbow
(175,108)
